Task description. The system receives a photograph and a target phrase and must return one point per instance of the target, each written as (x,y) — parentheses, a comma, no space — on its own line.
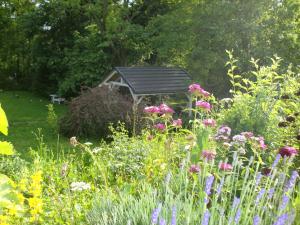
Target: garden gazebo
(149,81)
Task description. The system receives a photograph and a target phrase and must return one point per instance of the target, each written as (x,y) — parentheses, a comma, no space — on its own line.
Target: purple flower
(209,183)
(204,93)
(205,219)
(194,169)
(209,122)
(209,155)
(164,109)
(152,110)
(177,123)
(162,221)
(258,178)
(155,214)
(260,195)
(237,216)
(221,138)
(256,220)
(239,139)
(276,161)
(292,181)
(281,219)
(271,193)
(236,202)
(220,186)
(160,127)
(284,202)
(173,219)
(224,130)
(225,166)
(195,89)
(247,134)
(287,151)
(203,105)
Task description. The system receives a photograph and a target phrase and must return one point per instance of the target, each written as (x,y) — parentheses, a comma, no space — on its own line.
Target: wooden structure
(147,81)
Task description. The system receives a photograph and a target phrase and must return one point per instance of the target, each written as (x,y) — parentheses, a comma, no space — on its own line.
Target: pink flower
(262,144)
(194,169)
(225,166)
(195,89)
(164,109)
(247,134)
(204,105)
(287,151)
(177,123)
(152,110)
(209,155)
(224,130)
(160,126)
(204,93)
(209,122)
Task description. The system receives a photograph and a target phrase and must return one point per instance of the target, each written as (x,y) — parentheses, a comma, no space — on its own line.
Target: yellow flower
(22,184)
(35,205)
(3,220)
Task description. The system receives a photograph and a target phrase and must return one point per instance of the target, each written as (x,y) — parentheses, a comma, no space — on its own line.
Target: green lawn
(27,113)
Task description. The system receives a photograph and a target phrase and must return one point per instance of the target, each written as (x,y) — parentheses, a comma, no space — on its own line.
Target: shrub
(91,113)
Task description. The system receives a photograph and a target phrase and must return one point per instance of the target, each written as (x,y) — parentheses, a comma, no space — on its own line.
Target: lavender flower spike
(292,181)
(236,202)
(271,193)
(258,178)
(162,222)
(208,185)
(256,220)
(173,219)
(220,186)
(155,214)
(260,195)
(281,219)
(285,201)
(205,219)
(237,216)
(276,161)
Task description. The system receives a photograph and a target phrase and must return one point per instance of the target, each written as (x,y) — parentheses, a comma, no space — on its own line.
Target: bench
(57,99)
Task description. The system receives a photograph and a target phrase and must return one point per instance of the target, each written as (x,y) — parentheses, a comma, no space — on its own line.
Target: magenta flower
(262,144)
(195,89)
(152,110)
(204,93)
(194,169)
(160,126)
(164,109)
(209,155)
(225,166)
(203,105)
(209,122)
(224,130)
(287,151)
(177,123)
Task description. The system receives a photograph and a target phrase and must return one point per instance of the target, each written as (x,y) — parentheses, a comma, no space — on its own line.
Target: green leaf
(6,148)
(3,122)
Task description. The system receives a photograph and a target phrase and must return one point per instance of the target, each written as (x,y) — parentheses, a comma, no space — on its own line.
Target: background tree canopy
(64,45)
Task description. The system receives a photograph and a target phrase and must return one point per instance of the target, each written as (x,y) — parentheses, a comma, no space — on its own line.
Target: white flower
(96,150)
(88,143)
(80,186)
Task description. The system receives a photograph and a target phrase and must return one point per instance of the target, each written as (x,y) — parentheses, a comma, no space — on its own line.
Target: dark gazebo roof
(154,80)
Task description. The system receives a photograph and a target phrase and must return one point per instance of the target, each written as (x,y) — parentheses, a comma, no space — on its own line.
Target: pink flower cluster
(197,90)
(162,109)
(209,122)
(160,127)
(208,155)
(288,151)
(203,105)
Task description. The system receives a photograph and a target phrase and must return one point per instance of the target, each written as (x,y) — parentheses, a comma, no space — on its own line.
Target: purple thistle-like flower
(281,219)
(205,219)
(162,221)
(237,216)
(220,186)
(276,161)
(260,195)
(258,178)
(155,214)
(256,220)
(284,202)
(173,219)
(292,181)
(271,193)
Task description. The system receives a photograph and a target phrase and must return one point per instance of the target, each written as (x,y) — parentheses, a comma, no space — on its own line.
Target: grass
(27,116)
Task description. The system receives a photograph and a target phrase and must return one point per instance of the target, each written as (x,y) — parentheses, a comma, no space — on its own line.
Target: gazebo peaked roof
(143,81)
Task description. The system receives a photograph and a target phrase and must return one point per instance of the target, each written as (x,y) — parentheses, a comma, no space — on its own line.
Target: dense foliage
(64,45)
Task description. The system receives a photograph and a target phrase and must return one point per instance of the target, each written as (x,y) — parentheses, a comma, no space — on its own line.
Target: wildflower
(205,220)
(208,185)
(177,123)
(160,126)
(261,142)
(225,166)
(152,110)
(287,151)
(96,150)
(281,219)
(194,169)
(155,214)
(271,193)
(224,130)
(209,155)
(236,202)
(80,186)
(247,134)
(162,221)
(256,220)
(164,109)
(276,161)
(73,141)
(204,93)
(237,216)
(260,195)
(258,178)
(284,202)
(173,218)
(203,105)
(195,89)
(221,138)
(239,139)
(219,189)
(209,122)
(292,181)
